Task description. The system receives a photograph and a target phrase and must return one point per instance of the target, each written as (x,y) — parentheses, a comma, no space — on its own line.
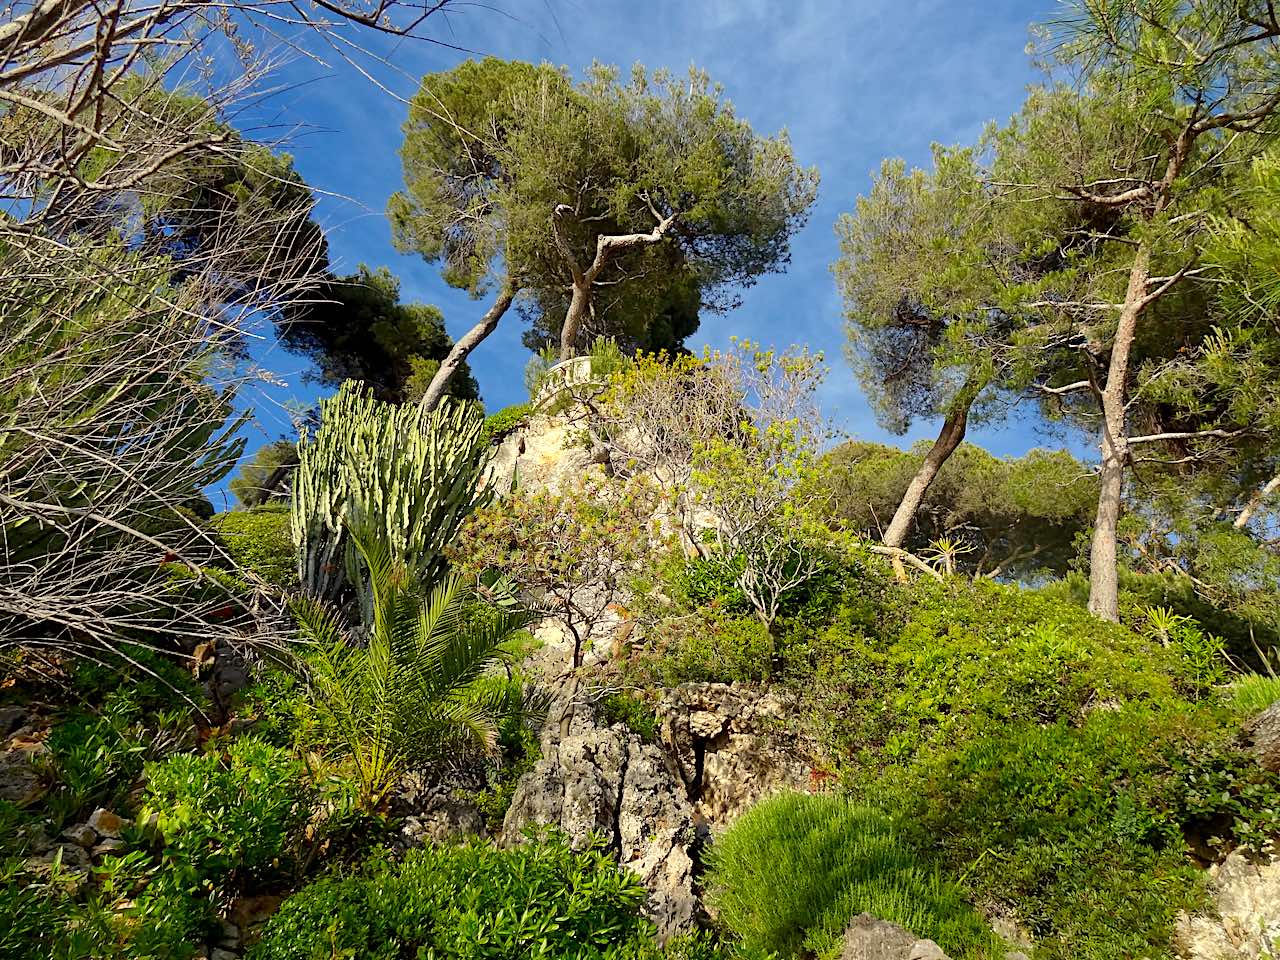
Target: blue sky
(853,81)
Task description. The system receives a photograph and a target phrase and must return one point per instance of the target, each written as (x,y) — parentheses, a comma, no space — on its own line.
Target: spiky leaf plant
(411,694)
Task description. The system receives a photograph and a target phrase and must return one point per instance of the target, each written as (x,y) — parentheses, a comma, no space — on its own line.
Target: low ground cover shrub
(228,819)
(792,871)
(539,900)
(498,425)
(259,540)
(704,647)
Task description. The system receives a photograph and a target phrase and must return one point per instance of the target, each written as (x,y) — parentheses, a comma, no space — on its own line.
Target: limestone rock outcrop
(732,745)
(1262,735)
(604,781)
(1244,920)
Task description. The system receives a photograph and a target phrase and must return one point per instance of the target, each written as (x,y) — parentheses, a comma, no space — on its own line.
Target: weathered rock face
(1262,734)
(605,781)
(542,454)
(732,746)
(1244,923)
(721,749)
(437,810)
(869,938)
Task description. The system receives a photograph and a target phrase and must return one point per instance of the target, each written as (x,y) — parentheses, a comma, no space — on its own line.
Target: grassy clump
(1253,693)
(790,874)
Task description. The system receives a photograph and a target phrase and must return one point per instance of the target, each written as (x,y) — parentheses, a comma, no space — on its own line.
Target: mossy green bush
(538,900)
(791,872)
(1060,767)
(259,540)
(704,647)
(498,425)
(632,711)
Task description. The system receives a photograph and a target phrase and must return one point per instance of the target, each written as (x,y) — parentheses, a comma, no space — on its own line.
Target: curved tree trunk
(949,437)
(1104,576)
(579,311)
(466,343)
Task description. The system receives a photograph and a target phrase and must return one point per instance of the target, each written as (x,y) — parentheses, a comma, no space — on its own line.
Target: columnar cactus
(409,474)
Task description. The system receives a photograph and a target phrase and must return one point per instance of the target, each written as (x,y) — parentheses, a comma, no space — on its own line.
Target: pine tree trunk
(949,437)
(466,343)
(579,311)
(1104,576)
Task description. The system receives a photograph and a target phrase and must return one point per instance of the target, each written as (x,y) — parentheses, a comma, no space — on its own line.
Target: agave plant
(411,694)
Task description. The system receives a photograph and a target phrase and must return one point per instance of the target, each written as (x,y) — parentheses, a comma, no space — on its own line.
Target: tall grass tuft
(793,871)
(1253,693)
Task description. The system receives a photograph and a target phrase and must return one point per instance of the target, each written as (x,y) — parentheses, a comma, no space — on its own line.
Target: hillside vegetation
(660,664)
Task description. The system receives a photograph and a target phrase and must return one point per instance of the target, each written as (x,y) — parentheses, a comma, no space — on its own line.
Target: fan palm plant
(411,694)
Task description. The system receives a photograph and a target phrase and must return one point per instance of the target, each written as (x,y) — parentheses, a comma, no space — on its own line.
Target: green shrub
(538,900)
(498,425)
(790,874)
(225,818)
(1081,827)
(95,761)
(945,661)
(280,706)
(705,647)
(1055,763)
(1243,634)
(259,540)
(132,911)
(633,712)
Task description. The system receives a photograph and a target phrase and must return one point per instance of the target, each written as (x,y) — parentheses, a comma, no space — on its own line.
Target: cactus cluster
(407,474)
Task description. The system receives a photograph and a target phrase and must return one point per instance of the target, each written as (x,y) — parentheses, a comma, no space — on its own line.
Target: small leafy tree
(573,553)
(412,693)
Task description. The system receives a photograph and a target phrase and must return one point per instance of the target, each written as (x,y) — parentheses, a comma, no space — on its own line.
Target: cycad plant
(410,694)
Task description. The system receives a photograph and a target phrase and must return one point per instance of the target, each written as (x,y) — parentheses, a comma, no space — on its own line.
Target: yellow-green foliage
(1253,693)
(259,541)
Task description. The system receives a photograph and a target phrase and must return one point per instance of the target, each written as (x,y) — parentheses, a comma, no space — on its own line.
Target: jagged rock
(19,780)
(1244,922)
(75,865)
(81,834)
(34,837)
(435,811)
(732,746)
(1262,735)
(605,781)
(870,938)
(107,824)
